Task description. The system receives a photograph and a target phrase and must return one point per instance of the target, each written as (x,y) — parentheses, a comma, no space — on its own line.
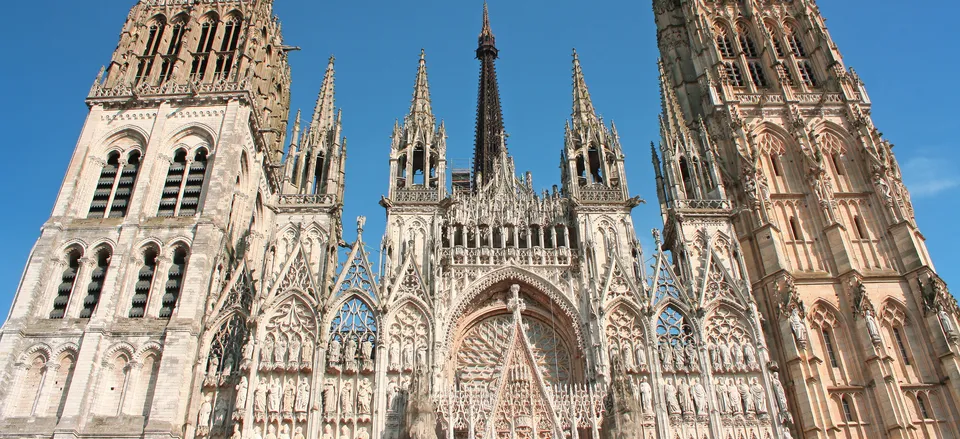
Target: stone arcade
(790,293)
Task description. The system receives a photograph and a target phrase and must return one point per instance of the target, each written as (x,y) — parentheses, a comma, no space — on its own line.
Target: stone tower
(767,141)
(161,210)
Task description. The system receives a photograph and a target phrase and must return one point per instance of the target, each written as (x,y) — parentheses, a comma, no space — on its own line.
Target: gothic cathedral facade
(193,280)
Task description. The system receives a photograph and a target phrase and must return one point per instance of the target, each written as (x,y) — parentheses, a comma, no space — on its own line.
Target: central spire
(489,139)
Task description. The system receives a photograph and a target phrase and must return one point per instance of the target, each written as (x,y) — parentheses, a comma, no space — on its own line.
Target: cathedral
(193,280)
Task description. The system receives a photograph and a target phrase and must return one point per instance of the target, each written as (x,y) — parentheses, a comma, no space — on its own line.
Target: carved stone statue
(422,356)
(715,359)
(670,393)
(683,395)
(421,414)
(241,401)
(946,323)
(798,328)
(271,432)
(203,418)
(646,396)
(303,397)
(408,361)
(327,432)
(747,395)
(280,351)
(274,396)
(699,395)
(736,356)
(364,395)
(779,393)
(346,398)
(306,356)
(257,433)
(759,399)
(722,401)
(679,358)
(293,358)
(666,356)
(260,401)
(873,328)
(725,356)
(330,396)
(693,360)
(298,433)
(641,353)
(366,354)
(750,357)
(394,356)
(333,354)
(734,397)
(284,432)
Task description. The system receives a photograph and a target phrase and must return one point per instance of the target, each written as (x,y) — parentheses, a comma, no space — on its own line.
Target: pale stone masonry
(189,282)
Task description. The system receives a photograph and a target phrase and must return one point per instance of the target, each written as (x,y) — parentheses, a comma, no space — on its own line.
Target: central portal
(517,372)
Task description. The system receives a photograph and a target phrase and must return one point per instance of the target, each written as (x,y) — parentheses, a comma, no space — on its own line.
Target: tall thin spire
(489,143)
(421,90)
(323,114)
(583,111)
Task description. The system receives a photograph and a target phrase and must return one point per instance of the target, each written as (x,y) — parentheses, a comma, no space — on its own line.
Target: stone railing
(194,88)
(701,204)
(190,2)
(307,200)
(419,195)
(600,195)
(804,98)
(499,256)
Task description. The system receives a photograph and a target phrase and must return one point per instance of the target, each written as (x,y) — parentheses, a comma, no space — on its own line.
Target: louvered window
(115,186)
(95,288)
(174,284)
(725,46)
(193,186)
(757,75)
(847,409)
(104,190)
(208,31)
(796,46)
(733,74)
(747,45)
(828,346)
(67,281)
(901,346)
(141,290)
(806,73)
(173,184)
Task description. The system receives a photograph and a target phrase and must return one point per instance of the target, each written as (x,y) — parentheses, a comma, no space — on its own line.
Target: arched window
(898,337)
(115,186)
(829,348)
(354,325)
(67,281)
(837,160)
(228,46)
(174,283)
(319,179)
(30,385)
(796,232)
(796,45)
(61,383)
(724,45)
(177,29)
(150,49)
(848,414)
(113,385)
(97,278)
(596,163)
(776,165)
(733,73)
(146,380)
(141,290)
(208,32)
(184,184)
(688,188)
(746,43)
(806,73)
(861,228)
(922,405)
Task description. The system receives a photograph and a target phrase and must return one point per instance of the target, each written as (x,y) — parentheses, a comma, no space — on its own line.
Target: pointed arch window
(150,50)
(756,74)
(724,45)
(796,232)
(898,337)
(184,184)
(776,165)
(922,405)
(747,45)
(97,278)
(177,30)
(174,283)
(30,385)
(353,326)
(67,281)
(837,159)
(208,32)
(141,290)
(596,163)
(688,188)
(319,179)
(104,190)
(861,227)
(734,75)
(61,383)
(228,47)
(829,348)
(806,73)
(848,414)
(796,45)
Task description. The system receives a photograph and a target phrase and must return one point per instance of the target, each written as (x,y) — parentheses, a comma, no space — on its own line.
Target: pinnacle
(421,90)
(582,104)
(323,115)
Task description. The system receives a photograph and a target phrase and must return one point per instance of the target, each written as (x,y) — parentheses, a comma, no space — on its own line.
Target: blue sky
(900,52)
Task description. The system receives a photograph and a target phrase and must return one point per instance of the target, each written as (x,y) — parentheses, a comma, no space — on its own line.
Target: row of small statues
(406,358)
(276,400)
(729,357)
(734,397)
(678,356)
(732,357)
(280,354)
(350,354)
(342,397)
(272,433)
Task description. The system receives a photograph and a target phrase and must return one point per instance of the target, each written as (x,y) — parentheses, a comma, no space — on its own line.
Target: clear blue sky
(52,51)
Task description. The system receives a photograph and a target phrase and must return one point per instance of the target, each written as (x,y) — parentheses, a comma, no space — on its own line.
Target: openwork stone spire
(323,115)
(489,138)
(421,90)
(583,111)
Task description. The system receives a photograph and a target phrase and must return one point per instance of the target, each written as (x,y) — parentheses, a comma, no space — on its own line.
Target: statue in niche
(364,394)
(220,410)
(722,402)
(873,328)
(699,396)
(408,356)
(798,328)
(333,354)
(614,353)
(391,395)
(260,401)
(679,358)
(726,357)
(280,351)
(781,397)
(666,356)
(394,356)
(346,398)
(686,404)
(241,401)
(330,396)
(628,360)
(734,398)
(271,432)
(298,433)
(227,370)
(363,434)
(203,418)
(247,355)
(273,397)
(303,398)
(306,356)
(693,362)
(327,432)
(759,399)
(641,353)
(736,356)
(946,323)
(422,356)
(366,354)
(212,371)
(344,432)
(350,354)
(670,393)
(750,357)
(257,433)
(284,432)
(293,358)
(646,396)
(715,360)
(289,397)
(747,395)
(266,352)
(421,414)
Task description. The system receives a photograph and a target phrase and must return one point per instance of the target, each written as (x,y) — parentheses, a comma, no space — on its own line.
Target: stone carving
(346,399)
(734,399)
(873,327)
(333,355)
(364,396)
(750,357)
(260,401)
(330,396)
(271,432)
(699,396)
(203,418)
(670,395)
(781,397)
(274,395)
(298,433)
(394,356)
(646,396)
(303,399)
(759,396)
(241,401)
(798,328)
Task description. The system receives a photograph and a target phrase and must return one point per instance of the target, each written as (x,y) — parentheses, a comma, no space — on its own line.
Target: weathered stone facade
(188,282)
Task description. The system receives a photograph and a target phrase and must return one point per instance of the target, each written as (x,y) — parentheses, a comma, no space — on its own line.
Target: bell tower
(764,124)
